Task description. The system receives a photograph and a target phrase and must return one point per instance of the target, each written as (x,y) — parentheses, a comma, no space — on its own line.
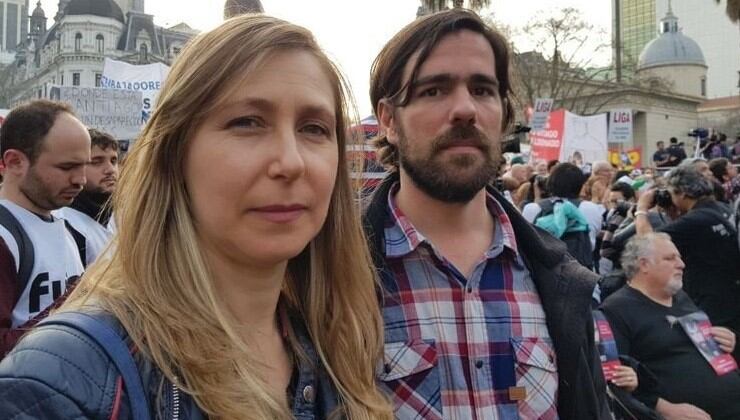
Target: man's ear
(387,120)
(15,161)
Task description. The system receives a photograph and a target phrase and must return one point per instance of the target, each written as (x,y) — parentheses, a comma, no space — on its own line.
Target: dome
(103,8)
(671,47)
(238,7)
(38,11)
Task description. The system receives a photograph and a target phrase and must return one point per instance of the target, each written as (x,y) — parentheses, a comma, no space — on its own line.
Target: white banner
(146,78)
(542,108)
(117,112)
(620,126)
(584,137)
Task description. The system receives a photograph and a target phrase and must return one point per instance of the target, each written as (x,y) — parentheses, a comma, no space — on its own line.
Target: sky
(352,32)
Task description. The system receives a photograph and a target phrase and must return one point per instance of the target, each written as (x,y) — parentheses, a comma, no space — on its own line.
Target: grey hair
(639,246)
(689,162)
(691,182)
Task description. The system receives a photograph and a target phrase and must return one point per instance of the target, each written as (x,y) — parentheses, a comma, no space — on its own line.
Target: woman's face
(261,168)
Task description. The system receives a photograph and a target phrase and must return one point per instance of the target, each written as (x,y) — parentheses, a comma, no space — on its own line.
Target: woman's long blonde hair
(158,283)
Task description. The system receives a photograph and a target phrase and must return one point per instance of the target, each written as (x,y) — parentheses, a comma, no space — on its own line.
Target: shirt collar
(401,237)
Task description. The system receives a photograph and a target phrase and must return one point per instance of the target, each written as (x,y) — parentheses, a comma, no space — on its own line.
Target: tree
(563,64)
(733,9)
(432,6)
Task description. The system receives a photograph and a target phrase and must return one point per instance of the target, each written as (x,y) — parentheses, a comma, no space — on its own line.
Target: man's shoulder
(622,299)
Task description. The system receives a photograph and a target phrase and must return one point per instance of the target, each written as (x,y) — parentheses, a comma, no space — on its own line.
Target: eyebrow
(448,78)
(265,105)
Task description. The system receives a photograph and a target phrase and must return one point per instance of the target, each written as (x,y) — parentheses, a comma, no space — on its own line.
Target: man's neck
(434,217)
(658,296)
(11,192)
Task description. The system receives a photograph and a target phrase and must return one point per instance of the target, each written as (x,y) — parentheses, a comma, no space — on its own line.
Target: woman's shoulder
(56,371)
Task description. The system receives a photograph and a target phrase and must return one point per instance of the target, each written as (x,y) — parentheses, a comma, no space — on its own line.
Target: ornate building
(238,7)
(70,52)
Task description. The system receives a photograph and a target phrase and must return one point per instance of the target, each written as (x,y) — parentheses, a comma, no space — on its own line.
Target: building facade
(71,51)
(633,26)
(13,27)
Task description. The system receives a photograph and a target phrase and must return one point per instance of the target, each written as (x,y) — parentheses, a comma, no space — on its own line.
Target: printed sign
(542,108)
(620,126)
(546,143)
(627,159)
(116,112)
(147,79)
(698,328)
(607,346)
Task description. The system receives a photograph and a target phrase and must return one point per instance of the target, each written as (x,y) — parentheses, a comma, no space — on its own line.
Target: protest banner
(542,108)
(146,78)
(584,138)
(620,126)
(627,159)
(546,143)
(608,352)
(117,112)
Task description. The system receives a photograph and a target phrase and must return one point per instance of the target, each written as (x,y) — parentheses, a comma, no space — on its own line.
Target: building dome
(671,47)
(239,7)
(103,8)
(38,11)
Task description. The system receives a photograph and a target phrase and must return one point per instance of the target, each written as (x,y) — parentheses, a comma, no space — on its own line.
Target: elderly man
(644,317)
(706,240)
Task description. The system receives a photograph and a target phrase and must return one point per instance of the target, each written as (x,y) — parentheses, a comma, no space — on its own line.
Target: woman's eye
(244,122)
(316,130)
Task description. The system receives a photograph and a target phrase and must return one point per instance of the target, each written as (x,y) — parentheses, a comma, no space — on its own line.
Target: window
(78,42)
(61,79)
(97,79)
(703,86)
(75,79)
(100,43)
(143,53)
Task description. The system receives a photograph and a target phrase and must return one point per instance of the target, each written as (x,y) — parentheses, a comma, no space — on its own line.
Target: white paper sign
(542,108)
(146,78)
(620,126)
(116,112)
(584,138)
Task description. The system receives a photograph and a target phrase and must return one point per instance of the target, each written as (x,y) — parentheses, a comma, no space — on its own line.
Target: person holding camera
(707,242)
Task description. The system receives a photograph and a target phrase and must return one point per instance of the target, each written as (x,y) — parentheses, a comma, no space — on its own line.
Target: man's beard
(673,286)
(39,194)
(454,180)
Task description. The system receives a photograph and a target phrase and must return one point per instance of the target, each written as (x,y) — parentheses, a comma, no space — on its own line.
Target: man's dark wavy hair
(420,37)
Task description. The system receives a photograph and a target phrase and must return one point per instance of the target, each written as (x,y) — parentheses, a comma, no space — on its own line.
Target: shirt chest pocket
(411,375)
(536,376)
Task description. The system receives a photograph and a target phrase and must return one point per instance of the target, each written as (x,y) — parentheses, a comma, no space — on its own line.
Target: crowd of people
(231,271)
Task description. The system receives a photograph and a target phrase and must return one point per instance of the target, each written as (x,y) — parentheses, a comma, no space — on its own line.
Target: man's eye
(430,92)
(483,91)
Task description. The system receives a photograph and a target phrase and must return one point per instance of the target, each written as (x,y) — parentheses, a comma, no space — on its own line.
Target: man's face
(703,168)
(448,135)
(58,174)
(102,172)
(661,145)
(665,268)
(615,198)
(731,171)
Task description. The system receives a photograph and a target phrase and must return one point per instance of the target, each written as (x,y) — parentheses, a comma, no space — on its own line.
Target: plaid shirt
(460,348)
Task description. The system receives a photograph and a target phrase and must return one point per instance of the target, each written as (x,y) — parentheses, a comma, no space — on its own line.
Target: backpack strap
(106,336)
(80,241)
(26,255)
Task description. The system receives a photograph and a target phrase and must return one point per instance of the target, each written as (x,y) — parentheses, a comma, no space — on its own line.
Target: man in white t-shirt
(44,150)
(90,213)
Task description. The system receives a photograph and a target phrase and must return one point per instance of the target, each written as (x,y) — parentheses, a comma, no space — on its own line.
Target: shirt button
(479,364)
(309,394)
(470,289)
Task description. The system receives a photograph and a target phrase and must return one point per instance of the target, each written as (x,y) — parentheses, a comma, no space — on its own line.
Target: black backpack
(578,243)
(26,255)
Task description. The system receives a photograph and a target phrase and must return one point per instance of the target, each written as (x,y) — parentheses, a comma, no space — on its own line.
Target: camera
(699,132)
(623,208)
(663,198)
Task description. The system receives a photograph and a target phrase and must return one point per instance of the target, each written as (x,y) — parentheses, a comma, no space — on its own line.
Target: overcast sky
(353,31)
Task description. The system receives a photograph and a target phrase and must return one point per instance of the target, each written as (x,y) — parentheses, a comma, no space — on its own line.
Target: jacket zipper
(175,402)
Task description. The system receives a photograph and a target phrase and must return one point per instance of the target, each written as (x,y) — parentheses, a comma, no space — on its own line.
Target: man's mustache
(462,136)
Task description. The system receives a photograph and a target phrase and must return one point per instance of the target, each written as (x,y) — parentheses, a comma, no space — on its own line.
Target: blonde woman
(239,274)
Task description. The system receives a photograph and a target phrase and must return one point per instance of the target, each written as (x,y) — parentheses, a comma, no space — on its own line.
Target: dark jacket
(565,288)
(56,372)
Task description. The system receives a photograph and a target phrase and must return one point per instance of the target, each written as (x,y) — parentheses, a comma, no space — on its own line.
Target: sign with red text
(620,126)
(698,328)
(546,143)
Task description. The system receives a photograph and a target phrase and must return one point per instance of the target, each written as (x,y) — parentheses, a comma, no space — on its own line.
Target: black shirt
(660,156)
(642,331)
(708,246)
(677,155)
